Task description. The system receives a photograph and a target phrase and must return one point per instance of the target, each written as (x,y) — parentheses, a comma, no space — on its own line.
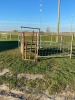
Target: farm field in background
(58,73)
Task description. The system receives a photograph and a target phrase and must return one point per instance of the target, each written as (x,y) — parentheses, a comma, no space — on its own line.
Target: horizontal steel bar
(53,56)
(30,27)
(63,35)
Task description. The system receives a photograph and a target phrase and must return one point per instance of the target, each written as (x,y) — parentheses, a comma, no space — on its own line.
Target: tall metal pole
(58,24)
(40,22)
(40,12)
(71,24)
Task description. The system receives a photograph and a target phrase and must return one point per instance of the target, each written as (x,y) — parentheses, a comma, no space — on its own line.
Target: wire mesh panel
(50,47)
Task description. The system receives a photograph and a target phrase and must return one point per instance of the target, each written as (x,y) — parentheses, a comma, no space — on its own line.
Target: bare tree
(48,30)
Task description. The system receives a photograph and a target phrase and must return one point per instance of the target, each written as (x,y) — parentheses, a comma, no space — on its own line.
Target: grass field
(58,73)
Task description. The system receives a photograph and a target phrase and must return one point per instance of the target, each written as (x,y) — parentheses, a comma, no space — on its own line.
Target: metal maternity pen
(29,44)
(36,45)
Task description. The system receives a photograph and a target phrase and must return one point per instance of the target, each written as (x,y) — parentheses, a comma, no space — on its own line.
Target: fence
(47,43)
(9,36)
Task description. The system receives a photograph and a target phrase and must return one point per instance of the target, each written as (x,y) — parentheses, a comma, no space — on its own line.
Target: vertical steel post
(58,24)
(71,24)
(22,45)
(39,40)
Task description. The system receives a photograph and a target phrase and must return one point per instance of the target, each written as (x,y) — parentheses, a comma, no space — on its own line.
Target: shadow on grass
(7,45)
(73,50)
(49,51)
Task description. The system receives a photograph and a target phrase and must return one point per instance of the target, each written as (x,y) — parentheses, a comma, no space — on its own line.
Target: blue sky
(14,13)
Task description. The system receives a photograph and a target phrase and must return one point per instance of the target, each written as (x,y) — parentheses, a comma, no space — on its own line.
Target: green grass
(58,73)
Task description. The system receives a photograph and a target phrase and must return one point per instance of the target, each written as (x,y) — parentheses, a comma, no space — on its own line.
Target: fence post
(39,39)
(61,41)
(71,46)
(10,36)
(22,45)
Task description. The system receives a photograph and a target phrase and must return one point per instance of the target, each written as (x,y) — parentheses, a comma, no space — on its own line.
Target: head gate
(29,44)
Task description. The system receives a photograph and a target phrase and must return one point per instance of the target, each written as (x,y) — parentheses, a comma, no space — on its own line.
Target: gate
(29,46)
